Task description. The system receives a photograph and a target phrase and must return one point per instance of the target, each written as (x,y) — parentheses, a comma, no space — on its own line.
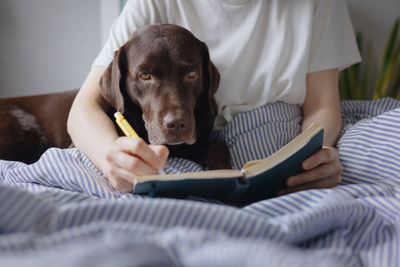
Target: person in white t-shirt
(265,50)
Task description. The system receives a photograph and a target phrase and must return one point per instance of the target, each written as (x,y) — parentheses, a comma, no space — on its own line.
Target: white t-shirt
(263,49)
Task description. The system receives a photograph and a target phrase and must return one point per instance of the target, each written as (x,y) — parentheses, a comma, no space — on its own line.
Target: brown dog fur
(31,124)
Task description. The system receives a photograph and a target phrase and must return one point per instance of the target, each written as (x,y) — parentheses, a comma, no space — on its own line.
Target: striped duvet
(61,211)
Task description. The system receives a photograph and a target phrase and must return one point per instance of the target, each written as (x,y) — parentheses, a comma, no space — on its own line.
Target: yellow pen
(127,128)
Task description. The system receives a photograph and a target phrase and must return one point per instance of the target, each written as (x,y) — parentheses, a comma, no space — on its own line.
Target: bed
(61,211)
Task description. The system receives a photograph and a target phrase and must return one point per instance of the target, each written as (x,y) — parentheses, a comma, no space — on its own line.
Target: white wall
(109,11)
(49,45)
(375,20)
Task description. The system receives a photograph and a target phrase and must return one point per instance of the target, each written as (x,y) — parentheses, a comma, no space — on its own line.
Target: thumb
(162,152)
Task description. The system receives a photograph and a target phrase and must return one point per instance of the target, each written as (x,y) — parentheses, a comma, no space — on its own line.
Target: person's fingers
(139,148)
(325,155)
(331,169)
(132,164)
(321,183)
(119,179)
(121,185)
(162,152)
(322,170)
(130,158)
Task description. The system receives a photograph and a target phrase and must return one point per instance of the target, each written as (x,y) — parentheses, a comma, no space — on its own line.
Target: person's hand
(132,157)
(322,170)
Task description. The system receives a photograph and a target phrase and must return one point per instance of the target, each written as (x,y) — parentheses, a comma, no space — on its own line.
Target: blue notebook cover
(257,180)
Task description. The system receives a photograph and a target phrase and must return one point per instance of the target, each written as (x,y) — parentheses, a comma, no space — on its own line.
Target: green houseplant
(363,81)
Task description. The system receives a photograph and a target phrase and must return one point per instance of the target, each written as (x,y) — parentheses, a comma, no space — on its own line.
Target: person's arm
(88,123)
(92,131)
(322,105)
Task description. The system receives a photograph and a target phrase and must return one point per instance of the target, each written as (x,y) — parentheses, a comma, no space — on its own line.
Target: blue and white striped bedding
(61,211)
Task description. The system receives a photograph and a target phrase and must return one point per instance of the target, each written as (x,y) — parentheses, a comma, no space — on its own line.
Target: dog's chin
(175,144)
(164,141)
(172,140)
(159,137)
(188,141)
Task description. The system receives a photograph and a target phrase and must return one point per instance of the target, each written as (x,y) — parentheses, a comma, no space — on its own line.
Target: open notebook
(257,180)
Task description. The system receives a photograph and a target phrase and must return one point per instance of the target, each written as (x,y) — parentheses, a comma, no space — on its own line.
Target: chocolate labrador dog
(162,80)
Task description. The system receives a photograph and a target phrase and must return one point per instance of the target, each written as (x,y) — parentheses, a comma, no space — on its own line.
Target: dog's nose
(175,124)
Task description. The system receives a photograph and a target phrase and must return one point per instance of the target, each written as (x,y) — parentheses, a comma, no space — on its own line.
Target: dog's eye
(145,76)
(192,75)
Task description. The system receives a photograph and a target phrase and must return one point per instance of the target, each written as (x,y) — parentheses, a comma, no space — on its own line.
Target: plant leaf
(386,66)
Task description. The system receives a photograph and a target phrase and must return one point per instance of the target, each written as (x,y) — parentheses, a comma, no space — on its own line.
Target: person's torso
(260,47)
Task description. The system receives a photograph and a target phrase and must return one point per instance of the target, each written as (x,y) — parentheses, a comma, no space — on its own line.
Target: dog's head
(166,72)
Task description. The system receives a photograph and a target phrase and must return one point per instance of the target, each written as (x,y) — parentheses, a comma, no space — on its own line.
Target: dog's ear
(214,78)
(110,81)
(211,80)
